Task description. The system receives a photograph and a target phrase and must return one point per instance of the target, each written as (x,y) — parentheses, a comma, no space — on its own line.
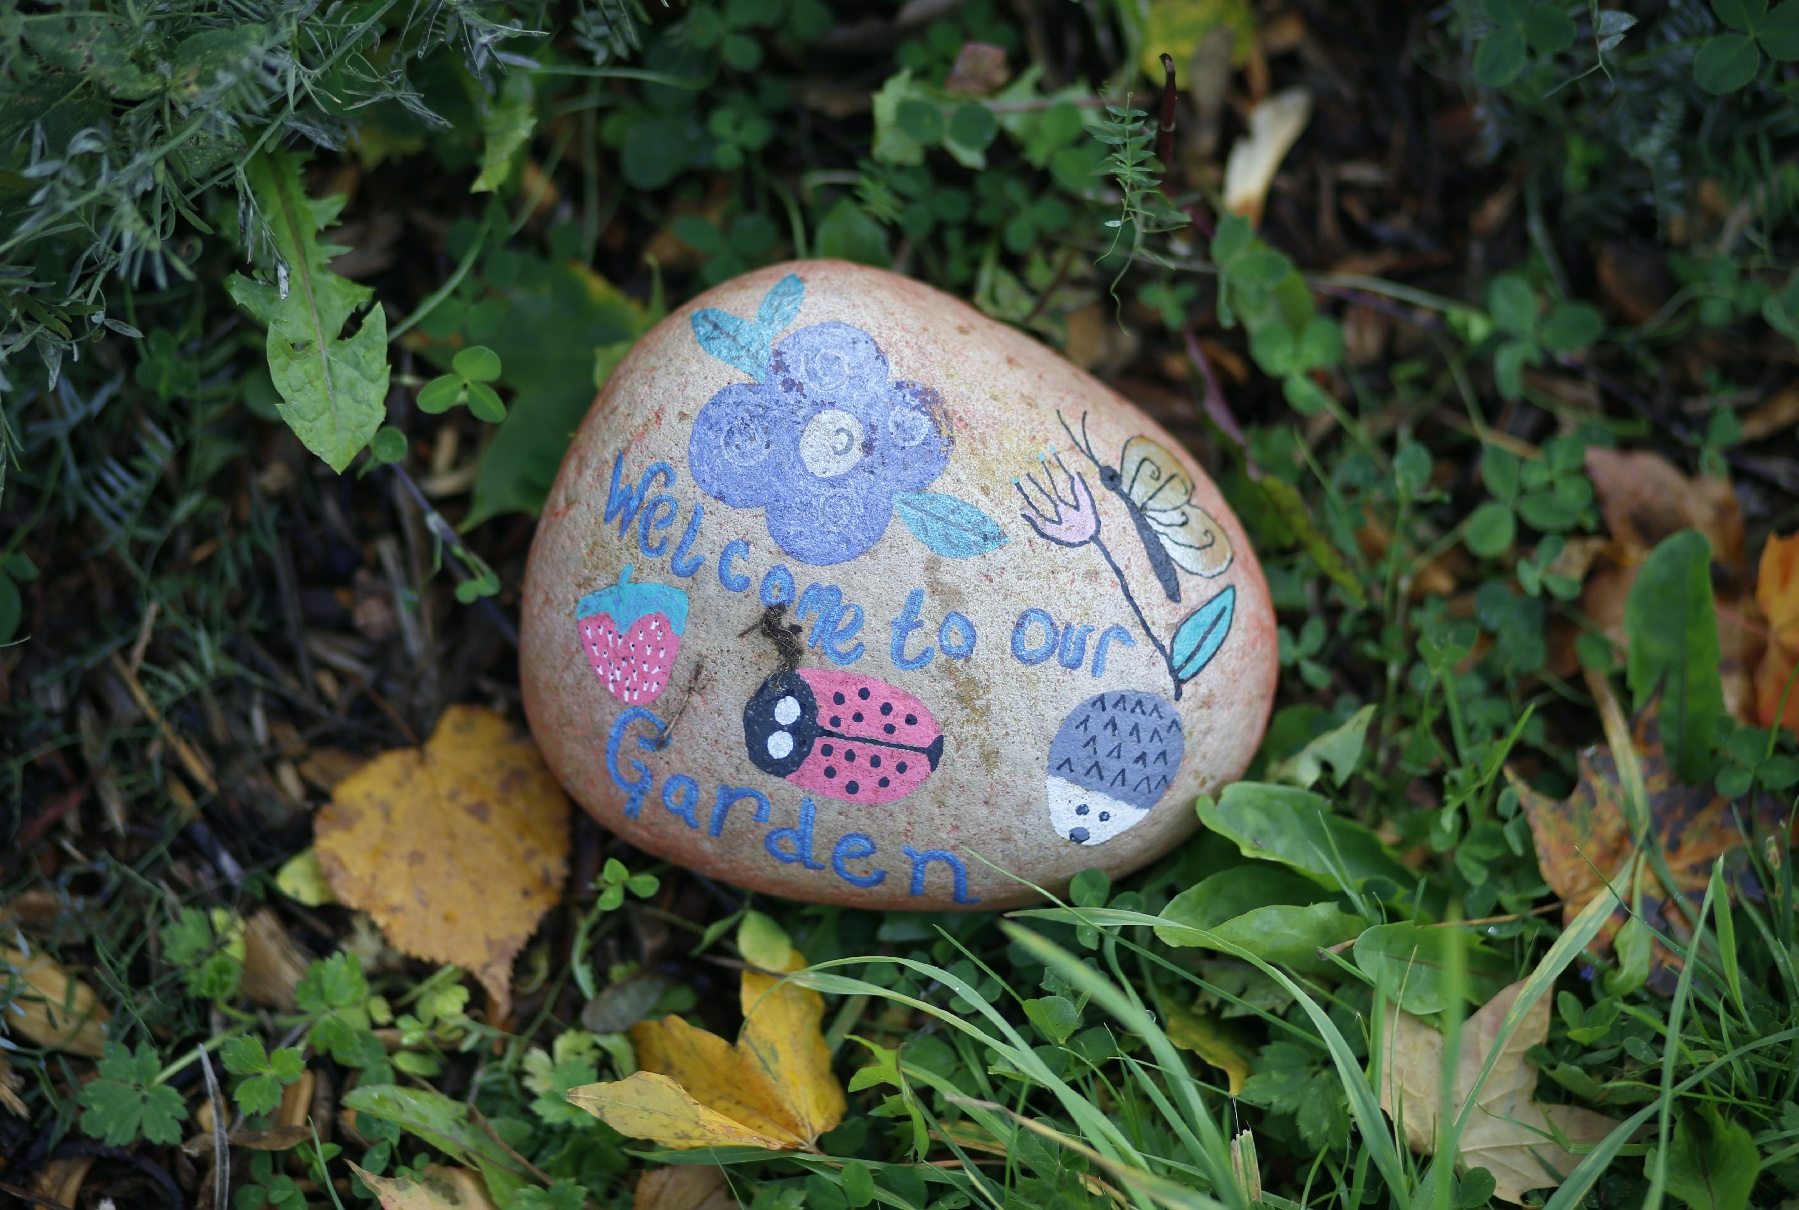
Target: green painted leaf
(333,387)
(1673,636)
(506,127)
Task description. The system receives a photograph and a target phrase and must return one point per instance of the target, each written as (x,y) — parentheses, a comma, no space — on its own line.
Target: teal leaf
(1673,635)
(950,526)
(1201,633)
(736,342)
(781,305)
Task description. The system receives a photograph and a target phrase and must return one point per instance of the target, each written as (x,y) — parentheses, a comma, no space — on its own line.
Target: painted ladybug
(842,735)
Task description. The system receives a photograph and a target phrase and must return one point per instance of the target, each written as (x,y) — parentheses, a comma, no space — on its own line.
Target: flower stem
(1131,600)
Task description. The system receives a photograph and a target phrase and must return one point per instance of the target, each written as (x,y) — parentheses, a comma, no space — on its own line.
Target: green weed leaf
(333,387)
(1726,63)
(1673,636)
(506,127)
(125,1104)
(1712,1164)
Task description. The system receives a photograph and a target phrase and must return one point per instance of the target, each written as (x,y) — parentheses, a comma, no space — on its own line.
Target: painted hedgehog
(1113,758)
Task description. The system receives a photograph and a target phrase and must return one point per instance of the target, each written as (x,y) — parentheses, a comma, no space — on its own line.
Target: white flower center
(832,443)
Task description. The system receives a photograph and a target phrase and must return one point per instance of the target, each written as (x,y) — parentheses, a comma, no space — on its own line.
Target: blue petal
(951,527)
(1201,633)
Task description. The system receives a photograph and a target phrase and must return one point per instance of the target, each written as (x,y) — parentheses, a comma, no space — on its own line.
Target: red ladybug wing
(876,744)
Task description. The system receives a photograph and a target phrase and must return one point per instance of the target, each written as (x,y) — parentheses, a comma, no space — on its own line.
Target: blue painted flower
(822,445)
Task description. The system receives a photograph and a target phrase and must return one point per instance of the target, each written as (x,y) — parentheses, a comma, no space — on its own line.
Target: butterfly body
(1157,493)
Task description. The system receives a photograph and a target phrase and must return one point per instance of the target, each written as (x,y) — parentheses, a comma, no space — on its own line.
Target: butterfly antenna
(1081,443)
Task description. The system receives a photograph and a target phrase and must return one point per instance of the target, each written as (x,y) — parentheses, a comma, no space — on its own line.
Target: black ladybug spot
(884,783)
(849,754)
(836,720)
(826,749)
(851,786)
(830,770)
(856,717)
(900,768)
(911,720)
(838,698)
(862,693)
(886,707)
(874,762)
(887,727)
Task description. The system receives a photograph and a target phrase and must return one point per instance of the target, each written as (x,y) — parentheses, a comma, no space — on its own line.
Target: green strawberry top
(627,602)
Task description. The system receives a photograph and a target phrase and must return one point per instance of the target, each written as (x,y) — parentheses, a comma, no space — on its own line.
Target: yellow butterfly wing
(1152,477)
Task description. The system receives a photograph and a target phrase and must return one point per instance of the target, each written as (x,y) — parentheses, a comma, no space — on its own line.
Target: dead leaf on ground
(979,69)
(273,962)
(1217,1042)
(54,1009)
(1274,126)
(1777,593)
(9,1089)
(773,1089)
(1644,499)
(1585,838)
(456,850)
(683,1187)
(1509,1133)
(440,1188)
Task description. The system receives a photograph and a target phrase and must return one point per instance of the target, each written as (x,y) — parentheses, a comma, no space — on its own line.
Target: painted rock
(889,605)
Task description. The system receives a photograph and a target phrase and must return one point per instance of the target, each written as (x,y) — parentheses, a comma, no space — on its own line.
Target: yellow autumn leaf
(1177,27)
(773,1089)
(53,1008)
(1211,1039)
(439,1188)
(457,849)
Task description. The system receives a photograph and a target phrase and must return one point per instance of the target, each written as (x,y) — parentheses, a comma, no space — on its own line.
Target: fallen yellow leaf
(55,1009)
(683,1187)
(456,850)
(1213,1040)
(440,1188)
(773,1089)
(1509,1133)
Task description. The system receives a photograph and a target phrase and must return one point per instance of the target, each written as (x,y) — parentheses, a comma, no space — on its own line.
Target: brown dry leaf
(273,963)
(1778,412)
(440,1188)
(1777,593)
(683,1187)
(1509,1133)
(1586,838)
(59,1010)
(979,69)
(1275,125)
(9,1089)
(1644,499)
(456,850)
(773,1089)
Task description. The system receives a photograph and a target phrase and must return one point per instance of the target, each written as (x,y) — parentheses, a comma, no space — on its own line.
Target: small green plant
(1730,60)
(127,1102)
(209,949)
(263,1074)
(471,370)
(1528,334)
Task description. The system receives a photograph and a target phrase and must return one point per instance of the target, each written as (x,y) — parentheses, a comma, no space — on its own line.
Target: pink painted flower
(1070,520)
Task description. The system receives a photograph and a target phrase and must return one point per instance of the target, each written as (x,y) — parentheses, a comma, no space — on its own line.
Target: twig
(36,1199)
(1165,128)
(221,1147)
(444,532)
(191,759)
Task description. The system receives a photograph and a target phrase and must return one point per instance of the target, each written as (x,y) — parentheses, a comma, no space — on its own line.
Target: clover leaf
(1513,307)
(1729,61)
(14,568)
(1520,28)
(126,1103)
(470,372)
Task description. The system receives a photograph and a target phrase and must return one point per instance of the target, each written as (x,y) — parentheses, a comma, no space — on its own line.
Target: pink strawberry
(633,665)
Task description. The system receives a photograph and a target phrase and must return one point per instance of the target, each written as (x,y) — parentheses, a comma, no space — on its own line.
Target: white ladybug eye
(786,711)
(780,744)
